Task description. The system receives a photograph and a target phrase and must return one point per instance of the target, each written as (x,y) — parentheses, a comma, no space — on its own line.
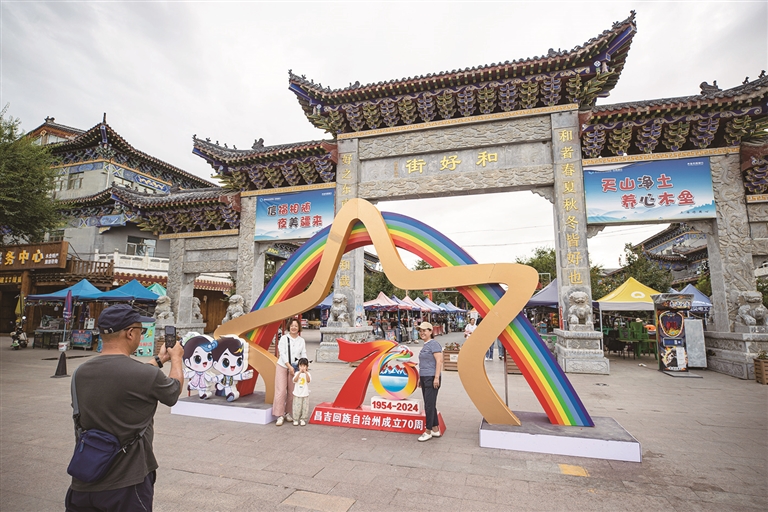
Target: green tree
(704,285)
(27,208)
(762,287)
(375,282)
(544,260)
(644,270)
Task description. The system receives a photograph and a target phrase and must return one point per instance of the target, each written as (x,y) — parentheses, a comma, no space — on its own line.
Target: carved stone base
(581,352)
(329,348)
(733,353)
(751,329)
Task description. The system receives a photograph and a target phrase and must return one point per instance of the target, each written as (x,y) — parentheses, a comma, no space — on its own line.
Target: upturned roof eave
(93,136)
(310,92)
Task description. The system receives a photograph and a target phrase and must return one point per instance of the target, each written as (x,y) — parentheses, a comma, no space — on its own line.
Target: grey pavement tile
(320,502)
(592,498)
(733,499)
(497,481)
(24,503)
(681,505)
(438,476)
(255,492)
(661,489)
(307,484)
(380,492)
(344,475)
(420,501)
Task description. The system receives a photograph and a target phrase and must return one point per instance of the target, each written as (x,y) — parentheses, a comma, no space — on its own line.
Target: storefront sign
(147,343)
(82,339)
(660,190)
(11,279)
(34,256)
(293,215)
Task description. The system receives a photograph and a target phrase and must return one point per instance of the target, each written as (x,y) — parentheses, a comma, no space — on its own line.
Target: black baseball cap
(118,317)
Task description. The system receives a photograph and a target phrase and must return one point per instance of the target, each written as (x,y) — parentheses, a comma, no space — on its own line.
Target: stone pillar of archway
(579,348)
(251,255)
(349,279)
(729,246)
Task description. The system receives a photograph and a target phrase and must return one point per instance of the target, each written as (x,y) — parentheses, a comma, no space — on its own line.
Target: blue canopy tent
(435,307)
(455,309)
(547,297)
(130,291)
(327,302)
(157,288)
(83,290)
(701,303)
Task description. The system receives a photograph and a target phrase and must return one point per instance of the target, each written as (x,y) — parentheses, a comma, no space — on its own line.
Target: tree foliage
(641,268)
(27,209)
(544,260)
(375,282)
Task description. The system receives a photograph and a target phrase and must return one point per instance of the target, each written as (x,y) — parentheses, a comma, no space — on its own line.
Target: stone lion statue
(338,314)
(751,309)
(579,311)
(163,309)
(197,315)
(235,309)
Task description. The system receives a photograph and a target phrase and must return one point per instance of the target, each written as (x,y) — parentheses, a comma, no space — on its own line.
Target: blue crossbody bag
(95,450)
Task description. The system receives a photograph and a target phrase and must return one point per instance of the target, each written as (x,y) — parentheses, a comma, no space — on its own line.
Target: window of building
(75,181)
(56,235)
(140,246)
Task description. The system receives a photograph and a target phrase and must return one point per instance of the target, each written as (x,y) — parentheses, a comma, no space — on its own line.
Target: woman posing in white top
(291,346)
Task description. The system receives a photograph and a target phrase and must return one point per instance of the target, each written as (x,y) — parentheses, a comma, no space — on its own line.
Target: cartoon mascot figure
(230,359)
(198,361)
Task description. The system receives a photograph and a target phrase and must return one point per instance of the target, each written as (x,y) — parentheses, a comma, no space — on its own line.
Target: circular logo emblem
(637,295)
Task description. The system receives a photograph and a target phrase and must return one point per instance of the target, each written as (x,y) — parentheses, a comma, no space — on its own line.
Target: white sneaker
(303,423)
(426,436)
(279,421)
(436,433)
(288,417)
(295,423)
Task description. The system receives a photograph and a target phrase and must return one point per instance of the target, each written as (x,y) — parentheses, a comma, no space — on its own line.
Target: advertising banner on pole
(655,191)
(293,215)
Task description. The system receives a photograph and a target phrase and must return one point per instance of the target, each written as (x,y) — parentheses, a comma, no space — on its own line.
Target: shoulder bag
(95,450)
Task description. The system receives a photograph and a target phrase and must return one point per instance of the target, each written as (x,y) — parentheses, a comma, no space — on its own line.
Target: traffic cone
(61,369)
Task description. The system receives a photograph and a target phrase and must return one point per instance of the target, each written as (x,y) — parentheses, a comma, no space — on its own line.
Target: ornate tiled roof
(711,96)
(258,153)
(50,126)
(712,119)
(208,209)
(106,143)
(175,199)
(589,71)
(264,167)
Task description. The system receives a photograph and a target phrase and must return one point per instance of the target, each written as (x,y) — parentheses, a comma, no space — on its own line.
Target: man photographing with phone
(119,395)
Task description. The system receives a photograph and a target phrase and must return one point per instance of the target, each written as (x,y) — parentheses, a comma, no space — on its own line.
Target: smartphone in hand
(170,336)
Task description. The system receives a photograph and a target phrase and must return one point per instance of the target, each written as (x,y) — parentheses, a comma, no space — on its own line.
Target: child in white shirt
(301,393)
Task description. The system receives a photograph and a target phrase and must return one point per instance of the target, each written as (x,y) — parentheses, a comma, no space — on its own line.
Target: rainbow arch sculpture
(358,224)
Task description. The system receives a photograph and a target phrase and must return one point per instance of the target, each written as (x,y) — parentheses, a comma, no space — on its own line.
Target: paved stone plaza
(705,447)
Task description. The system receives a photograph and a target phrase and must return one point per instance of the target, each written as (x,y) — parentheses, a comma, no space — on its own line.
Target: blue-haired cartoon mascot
(230,359)
(198,359)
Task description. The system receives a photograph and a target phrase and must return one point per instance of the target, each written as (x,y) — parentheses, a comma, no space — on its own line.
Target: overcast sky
(165,71)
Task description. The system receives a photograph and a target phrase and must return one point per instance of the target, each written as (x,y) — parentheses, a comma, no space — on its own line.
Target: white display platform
(247,409)
(606,440)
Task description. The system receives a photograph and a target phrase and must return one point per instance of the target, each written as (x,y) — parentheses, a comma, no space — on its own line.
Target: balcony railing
(97,272)
(134,262)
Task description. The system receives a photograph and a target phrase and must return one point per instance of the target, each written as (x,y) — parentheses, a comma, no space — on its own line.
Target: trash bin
(398,335)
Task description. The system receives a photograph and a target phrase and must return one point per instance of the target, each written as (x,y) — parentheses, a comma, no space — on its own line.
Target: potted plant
(451,357)
(761,367)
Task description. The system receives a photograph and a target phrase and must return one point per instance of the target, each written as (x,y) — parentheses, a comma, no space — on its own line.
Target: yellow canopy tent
(632,295)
